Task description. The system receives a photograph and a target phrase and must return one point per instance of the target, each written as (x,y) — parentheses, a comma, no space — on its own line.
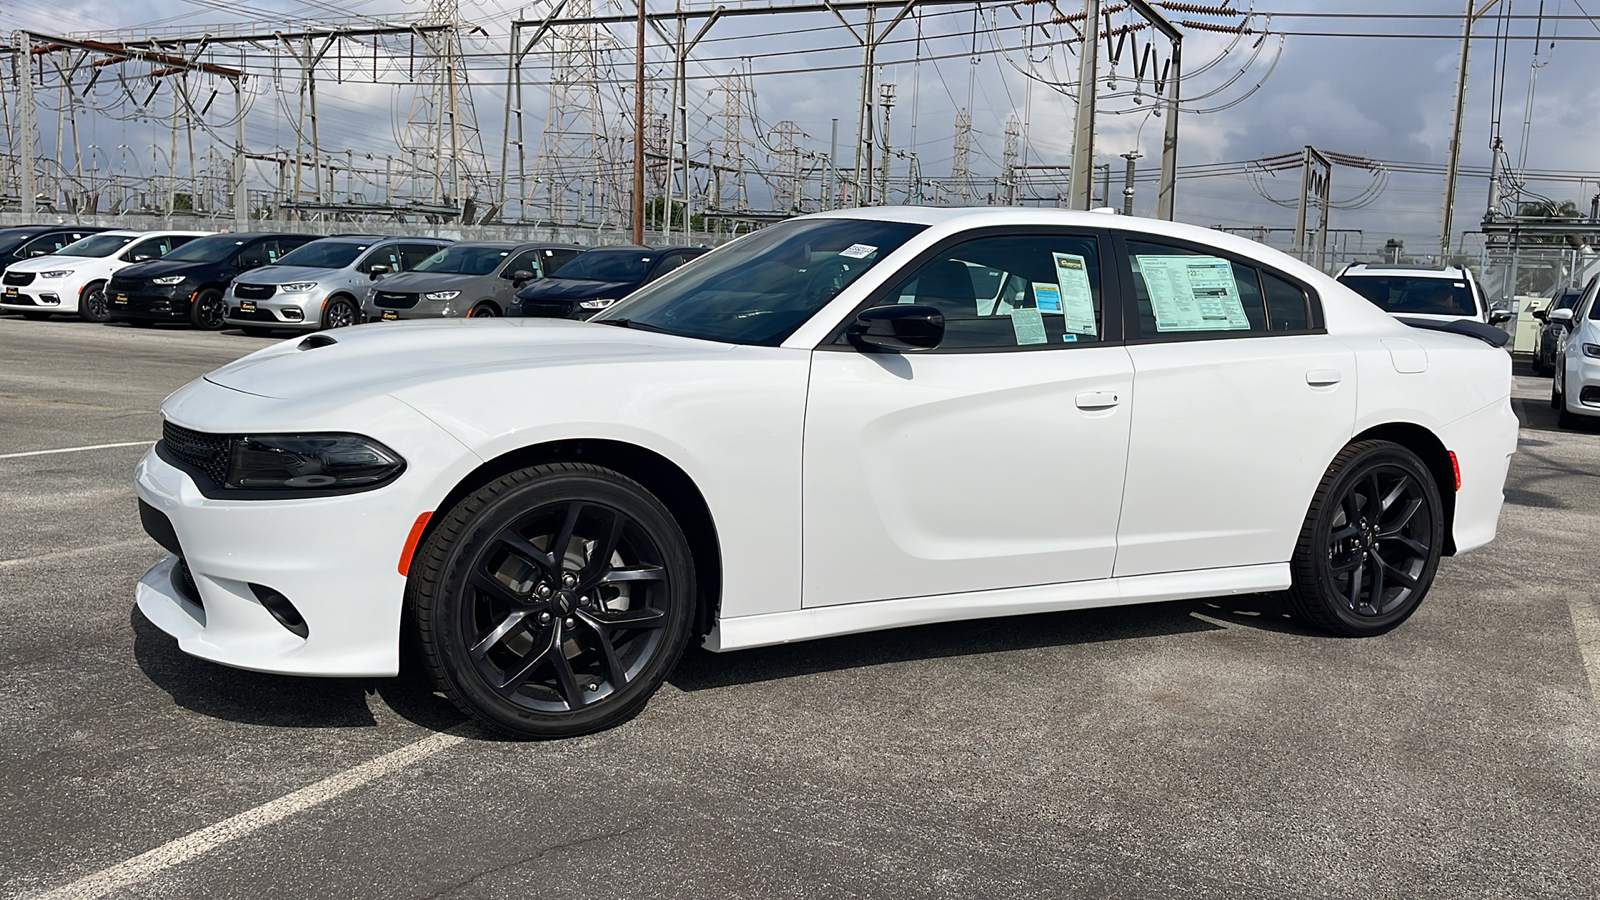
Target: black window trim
(1130,304)
(1111,315)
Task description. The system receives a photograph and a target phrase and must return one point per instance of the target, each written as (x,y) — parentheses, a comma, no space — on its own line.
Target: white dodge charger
(841,423)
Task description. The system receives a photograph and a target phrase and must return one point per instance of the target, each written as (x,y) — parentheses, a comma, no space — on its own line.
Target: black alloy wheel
(92,305)
(554,601)
(206,310)
(341,313)
(484,310)
(1371,542)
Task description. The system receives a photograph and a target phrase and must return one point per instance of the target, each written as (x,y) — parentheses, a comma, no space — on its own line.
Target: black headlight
(309,462)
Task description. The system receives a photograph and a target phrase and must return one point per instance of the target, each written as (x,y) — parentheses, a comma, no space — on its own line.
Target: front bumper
(335,559)
(1582,384)
(174,304)
(37,297)
(302,309)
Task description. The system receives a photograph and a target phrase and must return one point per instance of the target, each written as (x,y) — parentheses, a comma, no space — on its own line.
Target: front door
(993,461)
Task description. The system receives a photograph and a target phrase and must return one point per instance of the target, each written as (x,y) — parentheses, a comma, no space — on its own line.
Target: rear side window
(1180,291)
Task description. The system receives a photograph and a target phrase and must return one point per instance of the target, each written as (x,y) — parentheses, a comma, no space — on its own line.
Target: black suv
(28,241)
(188,283)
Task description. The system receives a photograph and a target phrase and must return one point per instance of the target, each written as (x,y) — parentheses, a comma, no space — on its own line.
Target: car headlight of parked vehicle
(442,295)
(595,304)
(298,462)
(168,280)
(295,287)
(56,273)
(1592,351)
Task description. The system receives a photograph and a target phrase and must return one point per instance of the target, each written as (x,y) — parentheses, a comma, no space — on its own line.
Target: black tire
(1346,578)
(537,647)
(256,331)
(1539,367)
(92,306)
(340,312)
(1558,401)
(206,310)
(484,310)
(36,316)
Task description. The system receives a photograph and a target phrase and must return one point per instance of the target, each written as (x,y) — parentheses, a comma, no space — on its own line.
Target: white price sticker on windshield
(858,251)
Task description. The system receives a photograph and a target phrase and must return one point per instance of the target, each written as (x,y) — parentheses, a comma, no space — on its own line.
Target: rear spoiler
(1489,334)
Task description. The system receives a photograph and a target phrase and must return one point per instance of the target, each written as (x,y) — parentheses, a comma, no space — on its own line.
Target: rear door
(993,461)
(1242,399)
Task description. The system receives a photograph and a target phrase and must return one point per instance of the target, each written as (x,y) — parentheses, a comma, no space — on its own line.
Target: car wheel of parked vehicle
(206,310)
(553,601)
(1540,367)
(1371,541)
(92,303)
(484,310)
(1557,400)
(340,313)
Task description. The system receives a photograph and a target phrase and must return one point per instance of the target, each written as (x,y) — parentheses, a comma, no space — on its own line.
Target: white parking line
(75,449)
(80,551)
(211,837)
(1586,623)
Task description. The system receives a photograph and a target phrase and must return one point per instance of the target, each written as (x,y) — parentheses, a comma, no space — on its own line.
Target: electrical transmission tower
(787,193)
(441,136)
(579,161)
(961,163)
(1012,152)
(730,184)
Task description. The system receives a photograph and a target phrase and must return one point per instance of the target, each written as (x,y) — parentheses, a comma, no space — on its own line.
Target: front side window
(324,254)
(154,248)
(760,288)
(526,261)
(1415,294)
(98,245)
(388,257)
(1012,291)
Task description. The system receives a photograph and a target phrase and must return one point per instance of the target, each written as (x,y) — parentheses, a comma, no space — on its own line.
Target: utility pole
(1127,182)
(1455,132)
(25,122)
(869,40)
(241,195)
(1080,184)
(638,130)
(886,100)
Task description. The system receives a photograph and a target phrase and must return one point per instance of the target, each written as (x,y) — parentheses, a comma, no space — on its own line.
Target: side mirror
(377,271)
(33,253)
(1561,317)
(1499,315)
(1542,315)
(901,328)
(521,276)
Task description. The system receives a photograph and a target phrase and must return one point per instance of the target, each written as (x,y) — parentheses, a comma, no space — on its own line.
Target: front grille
(387,300)
(254,291)
(206,452)
(19,278)
(124,285)
(20,300)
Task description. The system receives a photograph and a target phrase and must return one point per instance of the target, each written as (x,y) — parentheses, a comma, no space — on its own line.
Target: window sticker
(1028,324)
(1077,297)
(1069,337)
(858,251)
(1193,293)
(1047,297)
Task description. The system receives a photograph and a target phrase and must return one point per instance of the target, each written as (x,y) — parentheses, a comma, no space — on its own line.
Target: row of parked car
(263,282)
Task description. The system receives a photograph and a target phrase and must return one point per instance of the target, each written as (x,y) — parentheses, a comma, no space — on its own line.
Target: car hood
(389,357)
(423,282)
(160,267)
(547,290)
(288,274)
(51,261)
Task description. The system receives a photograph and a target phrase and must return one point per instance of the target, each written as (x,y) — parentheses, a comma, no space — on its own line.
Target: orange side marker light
(1456,465)
(412,539)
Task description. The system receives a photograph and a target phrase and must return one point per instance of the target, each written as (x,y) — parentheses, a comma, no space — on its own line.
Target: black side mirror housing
(901,328)
(1542,315)
(521,277)
(376,271)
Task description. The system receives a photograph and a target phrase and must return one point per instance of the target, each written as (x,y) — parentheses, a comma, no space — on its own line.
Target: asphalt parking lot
(1195,749)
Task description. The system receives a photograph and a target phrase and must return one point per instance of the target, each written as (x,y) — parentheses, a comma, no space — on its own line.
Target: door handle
(1324,377)
(1098,400)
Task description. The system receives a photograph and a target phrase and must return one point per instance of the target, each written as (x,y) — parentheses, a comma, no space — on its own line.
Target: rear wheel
(554,601)
(205,311)
(92,305)
(1371,542)
(340,313)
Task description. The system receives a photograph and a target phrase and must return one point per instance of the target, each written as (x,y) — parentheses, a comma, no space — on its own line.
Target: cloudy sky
(1385,98)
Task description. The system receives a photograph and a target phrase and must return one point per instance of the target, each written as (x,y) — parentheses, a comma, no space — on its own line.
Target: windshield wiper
(630,323)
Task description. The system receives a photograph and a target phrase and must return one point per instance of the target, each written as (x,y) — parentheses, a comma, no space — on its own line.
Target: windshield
(463,259)
(323,255)
(97,245)
(10,242)
(1417,295)
(762,287)
(206,250)
(608,265)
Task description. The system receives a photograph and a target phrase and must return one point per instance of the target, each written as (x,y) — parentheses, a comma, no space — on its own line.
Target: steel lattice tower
(961,163)
(579,160)
(441,139)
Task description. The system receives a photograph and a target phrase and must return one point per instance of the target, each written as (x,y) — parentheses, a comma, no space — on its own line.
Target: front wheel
(484,310)
(554,601)
(92,305)
(340,313)
(206,310)
(1370,544)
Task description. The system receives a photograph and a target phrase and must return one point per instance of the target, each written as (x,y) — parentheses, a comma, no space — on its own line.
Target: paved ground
(1184,749)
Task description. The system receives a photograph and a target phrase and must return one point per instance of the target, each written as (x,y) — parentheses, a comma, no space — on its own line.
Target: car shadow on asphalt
(702,670)
(284,701)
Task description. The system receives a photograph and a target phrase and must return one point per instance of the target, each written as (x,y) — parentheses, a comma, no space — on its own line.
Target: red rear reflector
(415,537)
(1455,464)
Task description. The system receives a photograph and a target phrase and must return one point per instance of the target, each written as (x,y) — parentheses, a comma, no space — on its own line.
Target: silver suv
(320,285)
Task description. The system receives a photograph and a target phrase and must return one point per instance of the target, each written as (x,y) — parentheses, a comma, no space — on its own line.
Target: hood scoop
(316,340)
